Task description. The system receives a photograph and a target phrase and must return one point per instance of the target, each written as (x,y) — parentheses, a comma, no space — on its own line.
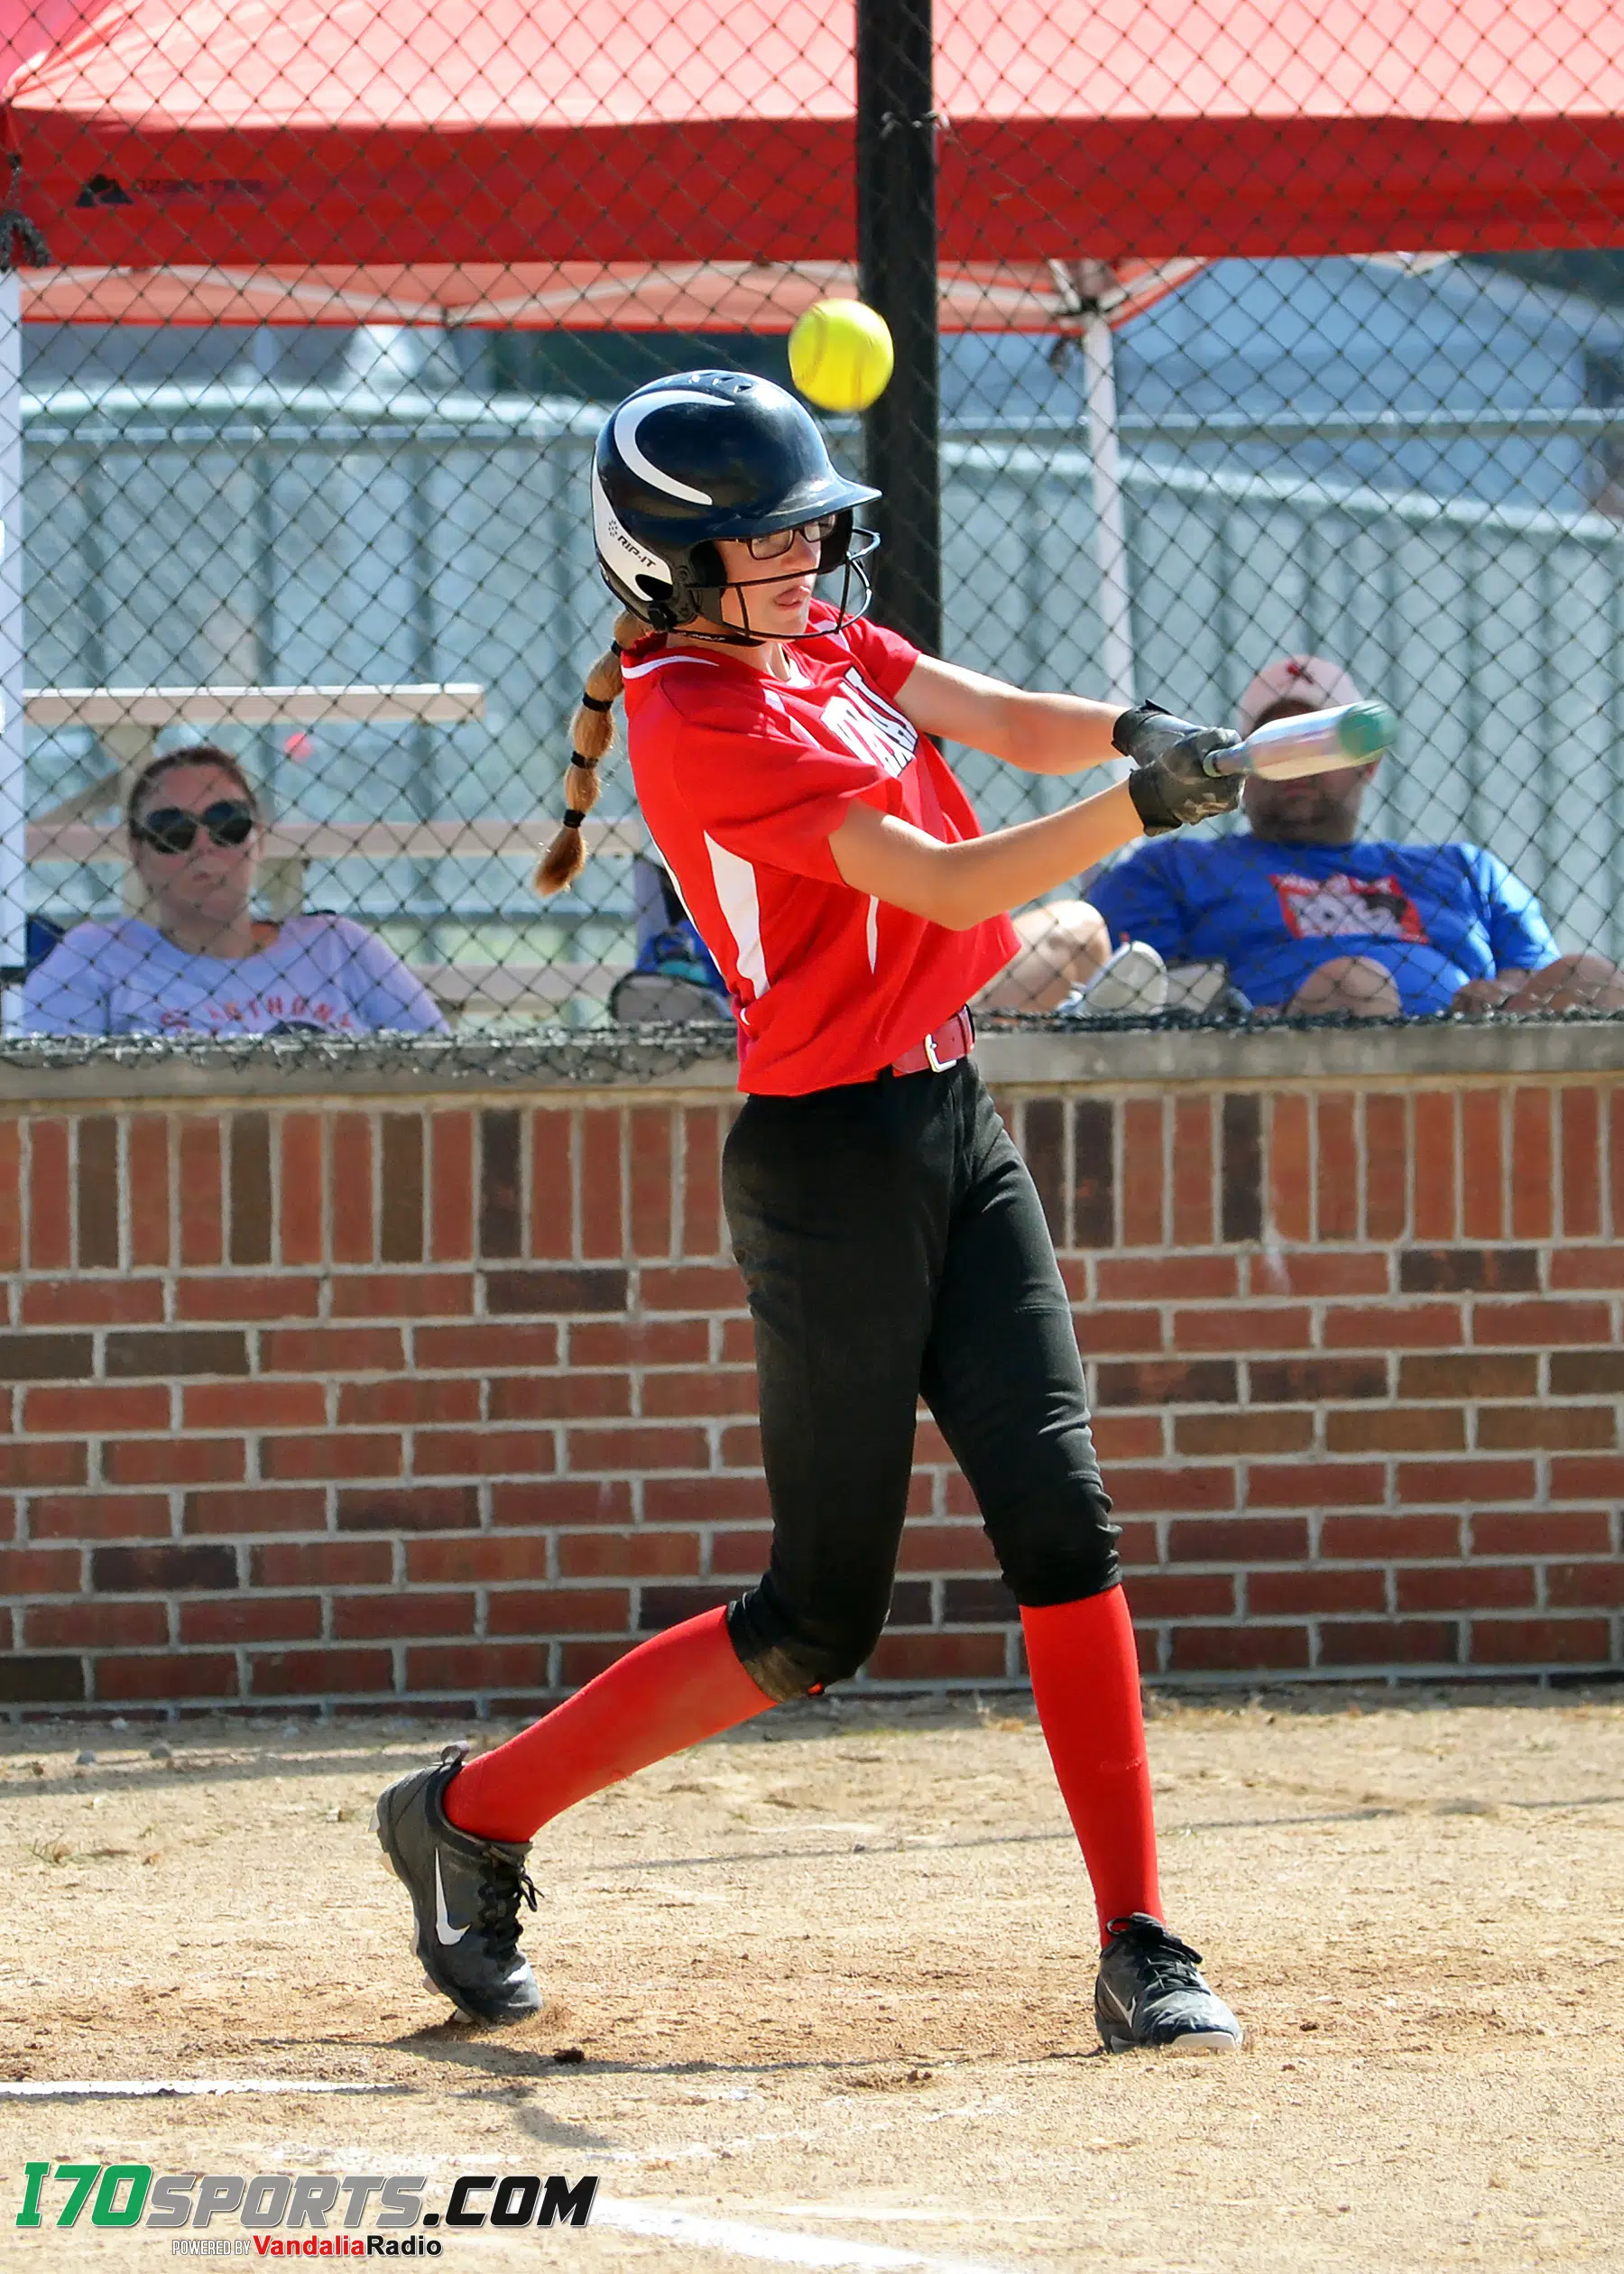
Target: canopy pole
(1111,532)
(897,249)
(13,847)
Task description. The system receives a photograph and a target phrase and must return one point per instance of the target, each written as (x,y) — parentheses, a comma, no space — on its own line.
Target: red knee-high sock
(1086,1680)
(662,1697)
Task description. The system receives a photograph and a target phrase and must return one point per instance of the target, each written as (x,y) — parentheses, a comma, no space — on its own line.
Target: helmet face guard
(846,548)
(707,457)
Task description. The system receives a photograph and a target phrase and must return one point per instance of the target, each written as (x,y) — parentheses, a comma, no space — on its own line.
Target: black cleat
(1151,1992)
(466,1893)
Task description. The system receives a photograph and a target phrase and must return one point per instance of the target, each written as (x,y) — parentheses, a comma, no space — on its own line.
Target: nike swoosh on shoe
(447,1934)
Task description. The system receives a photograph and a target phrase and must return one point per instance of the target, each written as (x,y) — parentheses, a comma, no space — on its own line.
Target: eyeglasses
(779,542)
(172,829)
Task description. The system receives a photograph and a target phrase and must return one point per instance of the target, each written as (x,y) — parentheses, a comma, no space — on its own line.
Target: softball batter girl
(888,1233)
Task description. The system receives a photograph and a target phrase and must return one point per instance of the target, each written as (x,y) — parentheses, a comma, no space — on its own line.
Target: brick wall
(361,1402)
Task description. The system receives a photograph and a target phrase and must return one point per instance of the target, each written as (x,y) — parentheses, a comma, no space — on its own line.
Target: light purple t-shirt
(325,973)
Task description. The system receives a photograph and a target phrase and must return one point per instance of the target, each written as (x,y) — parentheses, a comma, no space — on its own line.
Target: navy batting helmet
(703,455)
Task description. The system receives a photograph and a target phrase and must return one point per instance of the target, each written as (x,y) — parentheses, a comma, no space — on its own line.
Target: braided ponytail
(592,736)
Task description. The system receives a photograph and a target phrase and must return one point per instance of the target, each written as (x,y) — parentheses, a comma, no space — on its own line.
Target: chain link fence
(298,488)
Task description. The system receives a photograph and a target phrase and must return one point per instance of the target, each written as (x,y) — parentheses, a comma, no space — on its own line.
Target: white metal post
(14,856)
(1110,534)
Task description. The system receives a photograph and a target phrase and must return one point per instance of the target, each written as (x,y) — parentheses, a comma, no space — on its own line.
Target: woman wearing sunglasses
(891,1237)
(197,962)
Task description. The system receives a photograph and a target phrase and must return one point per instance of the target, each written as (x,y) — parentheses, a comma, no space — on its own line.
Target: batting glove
(1171,785)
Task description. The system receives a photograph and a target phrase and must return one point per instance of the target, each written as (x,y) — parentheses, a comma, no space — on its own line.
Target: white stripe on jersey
(658,662)
(735,879)
(872,935)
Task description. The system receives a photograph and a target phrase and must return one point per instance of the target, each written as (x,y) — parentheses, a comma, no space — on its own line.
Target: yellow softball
(841,356)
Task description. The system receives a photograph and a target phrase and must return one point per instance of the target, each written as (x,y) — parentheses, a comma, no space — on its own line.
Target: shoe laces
(503,1885)
(1165,1959)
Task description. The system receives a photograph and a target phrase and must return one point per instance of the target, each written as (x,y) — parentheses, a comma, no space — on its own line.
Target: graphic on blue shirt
(1436,915)
(1347,907)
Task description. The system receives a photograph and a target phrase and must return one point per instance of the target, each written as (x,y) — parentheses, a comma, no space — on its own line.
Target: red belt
(943,1048)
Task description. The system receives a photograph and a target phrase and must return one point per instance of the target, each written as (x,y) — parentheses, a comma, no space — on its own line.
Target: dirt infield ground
(831,1981)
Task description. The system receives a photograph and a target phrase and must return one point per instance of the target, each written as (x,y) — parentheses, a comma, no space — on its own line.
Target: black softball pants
(893,1246)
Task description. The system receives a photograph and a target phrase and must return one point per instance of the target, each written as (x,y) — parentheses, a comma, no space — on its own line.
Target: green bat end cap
(1367,729)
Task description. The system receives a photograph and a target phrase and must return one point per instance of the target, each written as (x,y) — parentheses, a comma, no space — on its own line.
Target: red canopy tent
(502,160)
(686,296)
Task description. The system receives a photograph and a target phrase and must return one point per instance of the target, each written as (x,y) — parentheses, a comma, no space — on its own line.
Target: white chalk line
(174,2088)
(744,2240)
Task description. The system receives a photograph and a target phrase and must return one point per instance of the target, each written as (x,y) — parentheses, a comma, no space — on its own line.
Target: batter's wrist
(1129,722)
(1146,789)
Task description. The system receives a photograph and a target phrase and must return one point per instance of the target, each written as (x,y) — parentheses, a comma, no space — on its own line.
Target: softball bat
(1314,742)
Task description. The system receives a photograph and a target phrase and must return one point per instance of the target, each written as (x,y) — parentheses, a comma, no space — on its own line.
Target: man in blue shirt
(1310,919)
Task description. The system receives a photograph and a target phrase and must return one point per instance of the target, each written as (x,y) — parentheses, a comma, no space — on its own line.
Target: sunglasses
(779,542)
(172,829)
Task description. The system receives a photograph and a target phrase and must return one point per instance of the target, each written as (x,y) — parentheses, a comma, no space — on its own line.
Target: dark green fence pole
(897,270)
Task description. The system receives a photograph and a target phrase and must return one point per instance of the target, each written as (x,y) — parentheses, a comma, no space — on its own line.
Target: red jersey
(742,780)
